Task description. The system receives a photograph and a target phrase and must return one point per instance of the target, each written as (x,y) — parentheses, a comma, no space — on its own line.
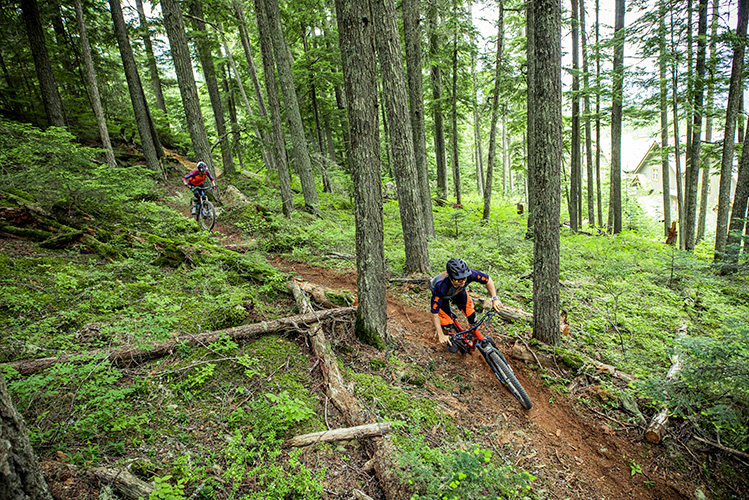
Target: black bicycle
(204,211)
(468,340)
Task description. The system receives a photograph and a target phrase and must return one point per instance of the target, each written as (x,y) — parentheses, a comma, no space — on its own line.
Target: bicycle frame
(472,337)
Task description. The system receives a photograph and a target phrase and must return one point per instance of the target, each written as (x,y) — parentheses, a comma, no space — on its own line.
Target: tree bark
(738,214)
(300,150)
(677,146)
(345,434)
(586,112)
(203,43)
(654,432)
(546,160)
(401,135)
(128,356)
(175,30)
(153,70)
(491,160)
(709,111)
(20,477)
(439,125)
(455,157)
(575,208)
(530,107)
(732,110)
(137,98)
(93,86)
(599,203)
(665,164)
(279,144)
(50,95)
(356,39)
(693,169)
(412,35)
(262,110)
(616,118)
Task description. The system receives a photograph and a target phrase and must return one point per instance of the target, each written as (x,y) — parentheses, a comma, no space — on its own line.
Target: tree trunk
(586,110)
(262,110)
(232,105)
(140,106)
(693,170)
(175,30)
(677,146)
(279,143)
(530,107)
(454,110)
(599,204)
(356,39)
(50,94)
(575,207)
(439,125)
(546,159)
(344,434)
(709,111)
(616,118)
(732,110)
(477,156)
(20,477)
(654,432)
(299,150)
(412,35)
(738,214)
(153,70)
(93,86)
(203,43)
(488,185)
(665,165)
(401,135)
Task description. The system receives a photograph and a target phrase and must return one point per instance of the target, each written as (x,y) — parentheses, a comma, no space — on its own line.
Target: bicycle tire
(208,219)
(498,364)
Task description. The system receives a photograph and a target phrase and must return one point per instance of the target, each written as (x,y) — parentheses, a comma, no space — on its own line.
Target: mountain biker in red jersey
(451,286)
(195,179)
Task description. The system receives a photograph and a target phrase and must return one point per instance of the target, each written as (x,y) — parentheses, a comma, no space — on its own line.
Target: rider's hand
(497,305)
(443,339)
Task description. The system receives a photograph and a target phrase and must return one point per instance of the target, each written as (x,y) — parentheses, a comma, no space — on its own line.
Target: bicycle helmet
(457,268)
(202,167)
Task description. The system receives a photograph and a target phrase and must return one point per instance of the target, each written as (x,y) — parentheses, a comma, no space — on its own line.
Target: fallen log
(654,432)
(344,434)
(129,356)
(380,450)
(327,297)
(123,482)
(736,453)
(548,356)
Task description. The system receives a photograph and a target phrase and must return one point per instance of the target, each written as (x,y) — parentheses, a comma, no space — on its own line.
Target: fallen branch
(130,356)
(733,452)
(654,432)
(123,482)
(344,434)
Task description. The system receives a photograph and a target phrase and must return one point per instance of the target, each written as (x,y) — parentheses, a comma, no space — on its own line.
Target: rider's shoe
(194,210)
(452,347)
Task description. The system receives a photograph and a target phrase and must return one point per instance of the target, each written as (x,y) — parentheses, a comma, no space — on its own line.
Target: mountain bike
(468,340)
(205,212)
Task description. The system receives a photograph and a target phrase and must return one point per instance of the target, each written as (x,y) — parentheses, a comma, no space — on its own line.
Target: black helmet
(457,268)
(202,167)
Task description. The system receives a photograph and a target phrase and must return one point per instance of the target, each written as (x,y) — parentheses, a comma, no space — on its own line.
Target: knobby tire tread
(209,222)
(512,381)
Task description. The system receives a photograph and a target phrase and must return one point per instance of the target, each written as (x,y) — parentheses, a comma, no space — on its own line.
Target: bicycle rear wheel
(208,215)
(505,375)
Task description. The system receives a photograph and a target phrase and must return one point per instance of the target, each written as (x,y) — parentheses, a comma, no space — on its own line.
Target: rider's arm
(441,337)
(496,303)
(213,182)
(185,178)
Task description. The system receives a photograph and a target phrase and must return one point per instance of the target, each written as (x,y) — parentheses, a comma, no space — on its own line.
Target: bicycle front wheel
(505,375)
(208,215)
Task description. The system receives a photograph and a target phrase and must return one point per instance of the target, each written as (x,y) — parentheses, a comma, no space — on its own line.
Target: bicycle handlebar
(488,316)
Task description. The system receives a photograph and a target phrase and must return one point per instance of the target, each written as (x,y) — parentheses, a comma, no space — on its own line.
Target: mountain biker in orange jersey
(195,179)
(451,286)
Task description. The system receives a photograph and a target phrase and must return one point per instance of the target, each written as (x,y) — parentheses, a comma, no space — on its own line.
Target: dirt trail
(574,453)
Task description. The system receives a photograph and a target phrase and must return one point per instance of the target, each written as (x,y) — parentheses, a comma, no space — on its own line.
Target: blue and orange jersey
(442,287)
(196,177)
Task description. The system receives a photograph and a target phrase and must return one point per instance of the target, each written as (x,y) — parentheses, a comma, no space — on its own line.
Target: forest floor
(574,451)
